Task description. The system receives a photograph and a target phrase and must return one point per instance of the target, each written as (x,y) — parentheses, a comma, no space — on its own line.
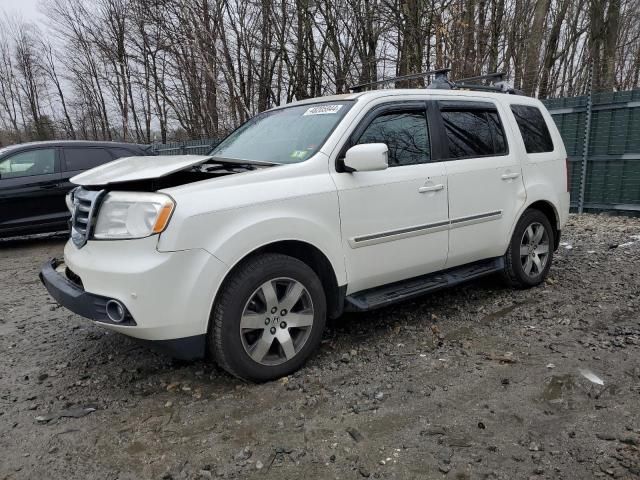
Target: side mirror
(367,157)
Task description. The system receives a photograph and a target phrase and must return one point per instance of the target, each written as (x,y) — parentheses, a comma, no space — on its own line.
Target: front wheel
(268,318)
(530,253)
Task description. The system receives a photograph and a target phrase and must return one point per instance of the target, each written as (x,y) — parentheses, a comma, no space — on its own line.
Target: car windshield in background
(287,135)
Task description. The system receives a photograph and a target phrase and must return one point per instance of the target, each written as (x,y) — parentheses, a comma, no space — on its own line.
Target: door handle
(431,188)
(510,176)
(49,186)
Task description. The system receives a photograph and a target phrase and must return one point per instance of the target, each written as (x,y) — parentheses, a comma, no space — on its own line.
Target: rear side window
(405,133)
(85,158)
(473,130)
(533,128)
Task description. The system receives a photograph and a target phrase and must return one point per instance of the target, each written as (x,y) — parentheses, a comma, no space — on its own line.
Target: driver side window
(26,164)
(405,133)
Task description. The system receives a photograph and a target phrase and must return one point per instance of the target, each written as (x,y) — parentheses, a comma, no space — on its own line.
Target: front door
(486,189)
(394,221)
(30,191)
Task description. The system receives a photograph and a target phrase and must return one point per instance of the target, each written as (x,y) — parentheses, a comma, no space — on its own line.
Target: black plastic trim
(476,217)
(75,298)
(389,294)
(417,228)
(185,348)
(437,134)
(338,308)
(455,105)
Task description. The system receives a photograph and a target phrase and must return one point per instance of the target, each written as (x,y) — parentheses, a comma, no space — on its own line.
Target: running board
(379,297)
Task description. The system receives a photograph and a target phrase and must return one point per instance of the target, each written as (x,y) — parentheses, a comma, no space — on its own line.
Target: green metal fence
(601,133)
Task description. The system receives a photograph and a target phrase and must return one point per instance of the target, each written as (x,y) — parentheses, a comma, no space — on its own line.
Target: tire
(266,287)
(525,271)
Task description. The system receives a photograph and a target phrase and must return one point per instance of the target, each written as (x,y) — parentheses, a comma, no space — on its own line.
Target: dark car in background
(34,180)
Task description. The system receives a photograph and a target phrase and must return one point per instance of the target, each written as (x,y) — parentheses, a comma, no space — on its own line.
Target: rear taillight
(566,168)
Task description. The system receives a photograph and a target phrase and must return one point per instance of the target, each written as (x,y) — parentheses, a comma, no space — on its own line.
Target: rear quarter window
(533,129)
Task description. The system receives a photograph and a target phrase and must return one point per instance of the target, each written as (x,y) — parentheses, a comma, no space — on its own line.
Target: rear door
(30,189)
(76,160)
(486,189)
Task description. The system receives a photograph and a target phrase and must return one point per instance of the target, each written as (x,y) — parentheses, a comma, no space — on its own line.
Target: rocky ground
(477,382)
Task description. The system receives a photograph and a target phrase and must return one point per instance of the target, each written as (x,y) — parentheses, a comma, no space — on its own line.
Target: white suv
(343,203)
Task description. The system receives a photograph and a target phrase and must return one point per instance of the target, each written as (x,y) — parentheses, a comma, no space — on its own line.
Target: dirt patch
(479,381)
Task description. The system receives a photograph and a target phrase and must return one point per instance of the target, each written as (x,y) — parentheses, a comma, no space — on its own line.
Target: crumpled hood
(137,168)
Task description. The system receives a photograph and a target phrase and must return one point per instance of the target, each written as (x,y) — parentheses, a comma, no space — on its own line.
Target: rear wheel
(530,253)
(268,318)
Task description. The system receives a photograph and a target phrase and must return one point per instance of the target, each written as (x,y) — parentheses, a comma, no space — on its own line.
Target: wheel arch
(549,211)
(311,256)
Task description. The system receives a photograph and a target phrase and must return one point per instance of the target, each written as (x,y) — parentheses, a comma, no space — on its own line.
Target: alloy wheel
(276,321)
(534,249)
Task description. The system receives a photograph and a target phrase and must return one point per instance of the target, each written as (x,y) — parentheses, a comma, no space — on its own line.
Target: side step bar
(379,297)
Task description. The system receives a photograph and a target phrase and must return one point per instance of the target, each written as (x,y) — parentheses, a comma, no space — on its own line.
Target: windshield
(287,135)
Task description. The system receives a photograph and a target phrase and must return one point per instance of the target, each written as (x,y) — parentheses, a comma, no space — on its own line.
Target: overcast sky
(28,9)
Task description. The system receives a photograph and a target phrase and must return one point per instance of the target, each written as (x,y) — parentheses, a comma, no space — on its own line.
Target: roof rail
(439,72)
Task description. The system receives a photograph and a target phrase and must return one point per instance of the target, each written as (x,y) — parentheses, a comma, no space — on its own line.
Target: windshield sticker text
(299,154)
(323,110)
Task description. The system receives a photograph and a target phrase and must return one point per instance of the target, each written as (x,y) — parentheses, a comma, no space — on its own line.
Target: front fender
(230,235)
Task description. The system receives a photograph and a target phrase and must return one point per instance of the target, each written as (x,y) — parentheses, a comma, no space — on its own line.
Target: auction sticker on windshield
(323,110)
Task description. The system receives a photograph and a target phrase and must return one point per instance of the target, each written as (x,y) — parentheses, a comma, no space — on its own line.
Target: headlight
(69,200)
(133,215)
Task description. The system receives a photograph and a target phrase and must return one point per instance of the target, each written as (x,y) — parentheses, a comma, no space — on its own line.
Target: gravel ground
(479,381)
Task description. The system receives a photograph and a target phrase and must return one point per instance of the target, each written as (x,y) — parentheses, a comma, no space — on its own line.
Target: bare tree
(160,69)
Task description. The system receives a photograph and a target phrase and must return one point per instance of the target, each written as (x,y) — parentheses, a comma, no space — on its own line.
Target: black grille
(84,206)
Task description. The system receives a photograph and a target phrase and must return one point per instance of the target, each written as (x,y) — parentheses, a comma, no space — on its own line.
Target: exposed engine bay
(210,168)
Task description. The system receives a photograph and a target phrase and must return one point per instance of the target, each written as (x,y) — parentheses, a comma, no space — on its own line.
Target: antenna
(437,73)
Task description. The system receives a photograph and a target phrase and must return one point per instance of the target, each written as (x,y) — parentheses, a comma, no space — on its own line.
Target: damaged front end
(125,192)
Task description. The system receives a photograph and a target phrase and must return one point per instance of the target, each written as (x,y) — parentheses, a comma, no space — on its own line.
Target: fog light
(115,311)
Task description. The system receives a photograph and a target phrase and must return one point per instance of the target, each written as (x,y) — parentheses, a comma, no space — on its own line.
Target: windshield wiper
(241,161)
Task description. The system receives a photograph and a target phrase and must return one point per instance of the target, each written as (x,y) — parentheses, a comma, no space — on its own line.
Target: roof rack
(441,81)
(498,76)
(360,87)
(497,84)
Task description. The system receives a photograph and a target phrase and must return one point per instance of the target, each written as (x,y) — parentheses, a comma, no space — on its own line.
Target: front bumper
(72,295)
(167,295)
